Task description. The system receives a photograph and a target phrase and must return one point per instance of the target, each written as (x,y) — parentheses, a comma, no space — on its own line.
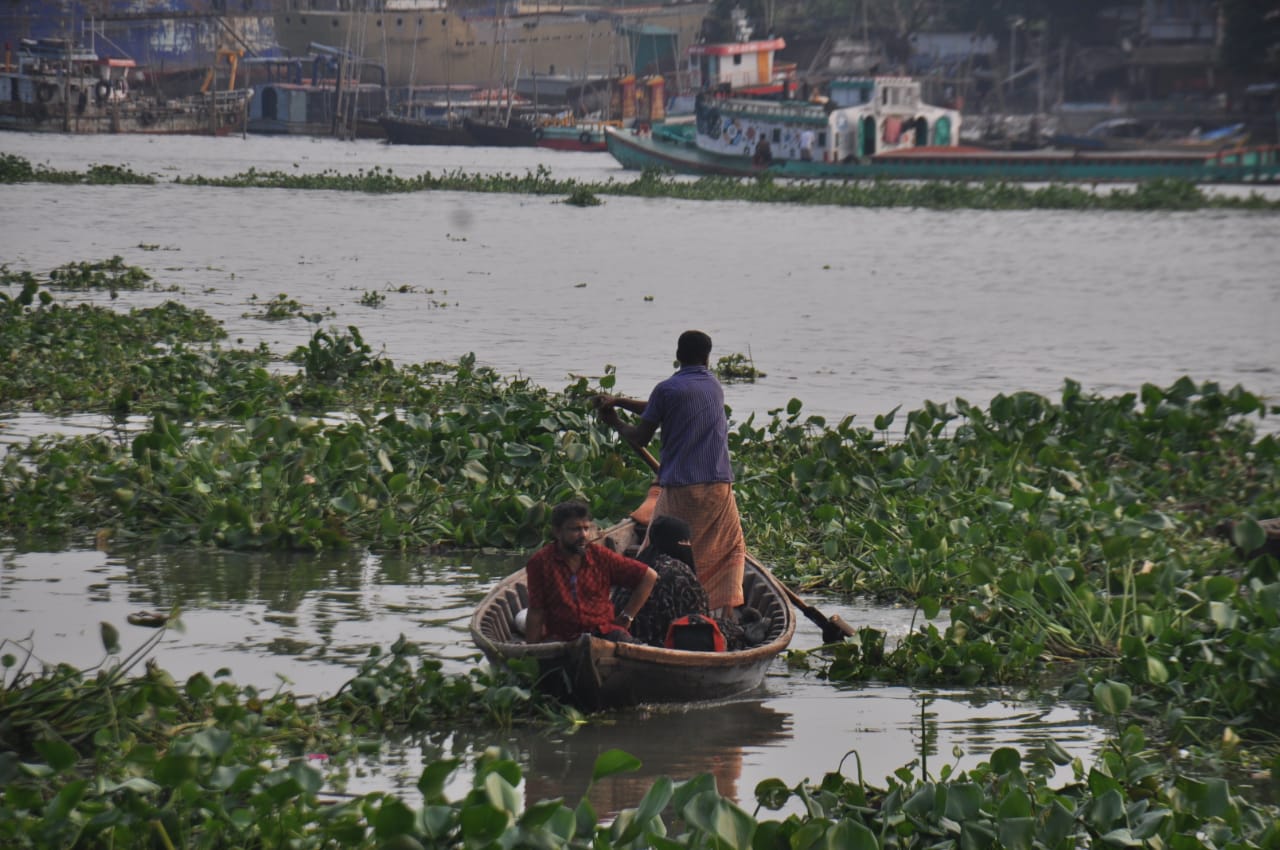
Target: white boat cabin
(732,66)
(861,118)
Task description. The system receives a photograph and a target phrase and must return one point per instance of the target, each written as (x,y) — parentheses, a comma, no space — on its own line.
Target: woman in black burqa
(678,592)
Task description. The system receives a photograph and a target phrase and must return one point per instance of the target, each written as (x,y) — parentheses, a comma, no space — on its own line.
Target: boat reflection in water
(680,741)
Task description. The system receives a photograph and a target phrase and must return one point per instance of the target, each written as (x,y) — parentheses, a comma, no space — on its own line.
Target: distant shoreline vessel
(421,42)
(164,36)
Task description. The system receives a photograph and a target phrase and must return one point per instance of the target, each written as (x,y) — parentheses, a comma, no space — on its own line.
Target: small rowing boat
(596,674)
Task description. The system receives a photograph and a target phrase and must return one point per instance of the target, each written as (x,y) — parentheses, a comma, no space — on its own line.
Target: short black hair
(566,511)
(693,347)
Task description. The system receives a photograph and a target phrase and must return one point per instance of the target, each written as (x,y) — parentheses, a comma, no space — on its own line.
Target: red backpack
(695,632)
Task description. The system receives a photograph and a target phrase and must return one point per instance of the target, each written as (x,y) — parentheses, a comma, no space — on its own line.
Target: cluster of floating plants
(1163,194)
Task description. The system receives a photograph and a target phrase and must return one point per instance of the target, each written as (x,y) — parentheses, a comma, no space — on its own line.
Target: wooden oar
(834,628)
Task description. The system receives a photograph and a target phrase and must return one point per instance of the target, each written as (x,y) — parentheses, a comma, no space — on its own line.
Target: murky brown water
(852,311)
(305,622)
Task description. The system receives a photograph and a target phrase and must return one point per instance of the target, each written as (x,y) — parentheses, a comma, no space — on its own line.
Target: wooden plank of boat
(596,674)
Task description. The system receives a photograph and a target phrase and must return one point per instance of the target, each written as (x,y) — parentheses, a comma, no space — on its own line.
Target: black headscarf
(668,536)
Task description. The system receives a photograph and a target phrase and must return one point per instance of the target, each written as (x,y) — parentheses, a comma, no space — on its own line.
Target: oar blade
(836,629)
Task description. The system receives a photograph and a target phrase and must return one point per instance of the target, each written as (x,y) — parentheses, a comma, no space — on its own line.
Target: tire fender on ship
(45,92)
(538,134)
(101,90)
(585,137)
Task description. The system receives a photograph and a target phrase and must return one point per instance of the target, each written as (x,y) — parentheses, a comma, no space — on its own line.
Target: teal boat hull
(674,150)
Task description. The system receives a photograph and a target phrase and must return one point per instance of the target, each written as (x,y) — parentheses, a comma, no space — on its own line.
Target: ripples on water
(291,620)
(852,311)
(275,621)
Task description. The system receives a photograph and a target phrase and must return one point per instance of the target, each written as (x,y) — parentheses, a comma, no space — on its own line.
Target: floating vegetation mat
(1162,194)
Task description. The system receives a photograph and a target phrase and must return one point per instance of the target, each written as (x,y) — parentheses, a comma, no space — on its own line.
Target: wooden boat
(334,98)
(497,132)
(410,131)
(597,674)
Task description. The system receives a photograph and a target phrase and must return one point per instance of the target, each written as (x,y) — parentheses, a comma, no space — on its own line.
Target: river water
(852,311)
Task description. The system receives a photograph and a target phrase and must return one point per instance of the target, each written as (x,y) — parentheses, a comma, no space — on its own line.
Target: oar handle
(647,456)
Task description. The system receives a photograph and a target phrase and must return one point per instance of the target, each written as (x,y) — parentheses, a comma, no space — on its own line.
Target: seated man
(570,580)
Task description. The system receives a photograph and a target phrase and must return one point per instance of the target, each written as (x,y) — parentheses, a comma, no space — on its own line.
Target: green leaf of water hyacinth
(434,777)
(651,806)
(540,814)
(1157,672)
(475,471)
(110,637)
(59,754)
(483,823)
(1111,697)
(613,762)
(850,835)
(963,801)
(719,818)
(345,504)
(1248,535)
(1006,760)
(393,818)
(585,817)
(502,794)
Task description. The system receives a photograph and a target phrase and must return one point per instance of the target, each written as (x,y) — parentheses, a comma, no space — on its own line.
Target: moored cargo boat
(877,127)
(674,150)
(55,87)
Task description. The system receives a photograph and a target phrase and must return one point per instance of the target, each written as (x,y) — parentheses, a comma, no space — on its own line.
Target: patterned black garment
(679,593)
(676,594)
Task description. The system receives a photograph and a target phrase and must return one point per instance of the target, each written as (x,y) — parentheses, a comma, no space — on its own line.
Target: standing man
(570,581)
(696,477)
(806,145)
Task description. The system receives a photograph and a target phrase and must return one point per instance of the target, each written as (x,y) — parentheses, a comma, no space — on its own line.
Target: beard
(575,548)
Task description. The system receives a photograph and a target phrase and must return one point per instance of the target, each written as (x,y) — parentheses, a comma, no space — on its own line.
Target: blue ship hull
(164,35)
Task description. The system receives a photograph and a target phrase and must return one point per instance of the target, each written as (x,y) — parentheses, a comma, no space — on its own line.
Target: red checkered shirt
(577,603)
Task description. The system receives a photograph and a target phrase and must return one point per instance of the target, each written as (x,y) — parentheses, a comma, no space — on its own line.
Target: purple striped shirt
(689,407)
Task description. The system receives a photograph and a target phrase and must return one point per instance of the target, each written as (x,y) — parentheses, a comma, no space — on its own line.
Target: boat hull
(407,131)
(1243,165)
(513,135)
(596,674)
(576,138)
(225,114)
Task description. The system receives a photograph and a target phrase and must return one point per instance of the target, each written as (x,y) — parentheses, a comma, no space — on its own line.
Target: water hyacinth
(117,760)
(1071,539)
(1161,194)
